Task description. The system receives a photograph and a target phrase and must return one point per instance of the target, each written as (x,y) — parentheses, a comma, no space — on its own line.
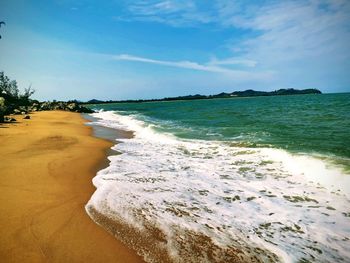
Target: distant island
(235,94)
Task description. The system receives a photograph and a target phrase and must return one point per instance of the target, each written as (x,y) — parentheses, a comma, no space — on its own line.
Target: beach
(46,167)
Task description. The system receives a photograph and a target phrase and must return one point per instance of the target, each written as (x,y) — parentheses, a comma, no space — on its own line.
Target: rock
(22,108)
(31,108)
(85,110)
(72,106)
(10,119)
(27,117)
(45,106)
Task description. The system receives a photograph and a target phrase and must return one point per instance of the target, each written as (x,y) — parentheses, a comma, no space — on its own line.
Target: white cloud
(212,66)
(280,30)
(174,13)
(146,8)
(234,61)
(295,30)
(302,41)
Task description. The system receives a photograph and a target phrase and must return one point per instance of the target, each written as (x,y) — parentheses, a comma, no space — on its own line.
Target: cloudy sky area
(125,49)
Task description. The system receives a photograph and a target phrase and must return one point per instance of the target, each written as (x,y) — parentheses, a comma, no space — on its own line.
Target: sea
(257,179)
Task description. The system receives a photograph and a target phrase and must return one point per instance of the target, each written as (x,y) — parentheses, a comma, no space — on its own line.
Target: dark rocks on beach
(10,109)
(45,106)
(72,106)
(9,119)
(60,105)
(27,117)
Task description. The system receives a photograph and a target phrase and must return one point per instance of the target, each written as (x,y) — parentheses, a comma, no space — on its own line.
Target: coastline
(47,164)
(217,200)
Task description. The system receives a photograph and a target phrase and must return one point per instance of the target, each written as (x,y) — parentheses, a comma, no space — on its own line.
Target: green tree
(12,98)
(8,88)
(2,109)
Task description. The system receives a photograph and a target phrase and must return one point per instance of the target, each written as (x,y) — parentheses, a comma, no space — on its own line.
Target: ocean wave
(180,200)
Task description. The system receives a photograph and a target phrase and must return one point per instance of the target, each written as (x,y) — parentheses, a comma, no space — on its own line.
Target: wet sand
(46,167)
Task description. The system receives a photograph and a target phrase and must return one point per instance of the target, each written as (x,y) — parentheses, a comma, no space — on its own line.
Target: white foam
(234,196)
(312,169)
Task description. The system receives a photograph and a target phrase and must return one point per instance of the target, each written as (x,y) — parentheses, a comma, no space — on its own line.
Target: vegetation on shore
(13,102)
(235,94)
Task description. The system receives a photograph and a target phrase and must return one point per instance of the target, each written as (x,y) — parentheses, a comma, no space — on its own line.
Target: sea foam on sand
(209,201)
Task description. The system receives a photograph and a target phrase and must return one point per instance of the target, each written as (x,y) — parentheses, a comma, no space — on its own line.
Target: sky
(143,49)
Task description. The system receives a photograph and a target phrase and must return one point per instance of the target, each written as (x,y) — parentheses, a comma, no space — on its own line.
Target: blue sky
(151,49)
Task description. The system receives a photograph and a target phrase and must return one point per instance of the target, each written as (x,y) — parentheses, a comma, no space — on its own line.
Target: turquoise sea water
(315,124)
(263,179)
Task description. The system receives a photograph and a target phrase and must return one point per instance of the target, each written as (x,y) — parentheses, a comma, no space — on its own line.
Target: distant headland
(235,94)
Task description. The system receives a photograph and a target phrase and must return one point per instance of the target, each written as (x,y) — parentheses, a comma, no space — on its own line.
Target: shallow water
(205,188)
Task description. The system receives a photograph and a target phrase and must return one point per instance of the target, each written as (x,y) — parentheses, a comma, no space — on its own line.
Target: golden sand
(46,167)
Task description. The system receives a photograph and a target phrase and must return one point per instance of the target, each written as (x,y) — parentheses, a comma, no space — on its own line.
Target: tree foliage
(8,88)
(10,92)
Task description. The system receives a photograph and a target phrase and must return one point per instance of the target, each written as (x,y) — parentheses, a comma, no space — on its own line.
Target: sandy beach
(46,167)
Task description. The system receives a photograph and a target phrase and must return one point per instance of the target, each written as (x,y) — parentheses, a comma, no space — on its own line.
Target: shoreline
(225,208)
(107,134)
(47,165)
